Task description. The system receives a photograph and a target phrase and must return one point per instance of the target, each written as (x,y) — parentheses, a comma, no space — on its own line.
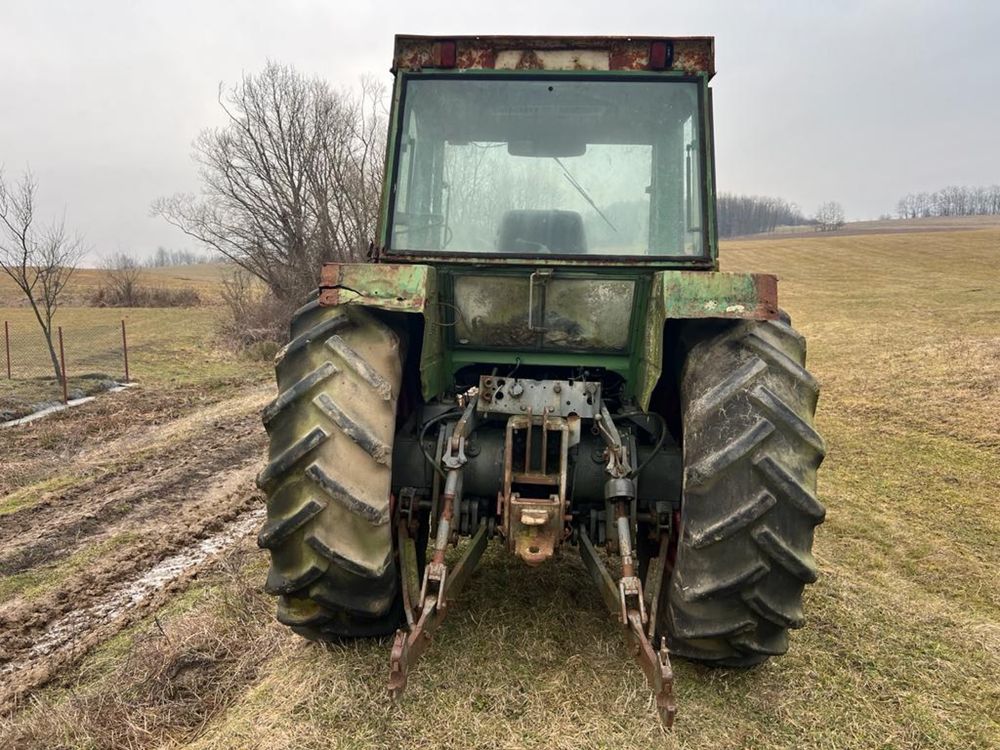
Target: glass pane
(493,311)
(576,314)
(604,167)
(588,314)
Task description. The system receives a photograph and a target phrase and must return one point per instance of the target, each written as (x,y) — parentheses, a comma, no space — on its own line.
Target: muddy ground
(110,508)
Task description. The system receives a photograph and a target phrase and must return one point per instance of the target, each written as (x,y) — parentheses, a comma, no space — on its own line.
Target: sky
(857,102)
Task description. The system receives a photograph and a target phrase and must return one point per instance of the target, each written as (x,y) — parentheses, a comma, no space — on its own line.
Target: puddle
(57,407)
(64,631)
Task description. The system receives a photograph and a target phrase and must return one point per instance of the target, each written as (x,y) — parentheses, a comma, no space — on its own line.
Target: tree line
(166,258)
(951,201)
(753,214)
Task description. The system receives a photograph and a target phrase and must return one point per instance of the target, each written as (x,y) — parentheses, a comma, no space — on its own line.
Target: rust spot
(474,57)
(329,297)
(412,54)
(389,286)
(691,54)
(330,275)
(767,295)
(629,55)
(529,61)
(694,58)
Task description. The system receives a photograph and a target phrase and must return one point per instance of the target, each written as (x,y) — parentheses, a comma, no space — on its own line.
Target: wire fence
(79,360)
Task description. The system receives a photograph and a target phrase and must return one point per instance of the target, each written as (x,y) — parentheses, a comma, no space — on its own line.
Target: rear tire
(749,500)
(328,476)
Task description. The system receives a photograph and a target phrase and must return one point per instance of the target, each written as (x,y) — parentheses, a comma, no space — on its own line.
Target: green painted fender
(413,289)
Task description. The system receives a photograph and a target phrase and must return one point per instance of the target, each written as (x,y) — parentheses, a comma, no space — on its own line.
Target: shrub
(255,321)
(142,296)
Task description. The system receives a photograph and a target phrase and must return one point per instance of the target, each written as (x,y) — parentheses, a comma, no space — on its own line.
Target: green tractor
(542,352)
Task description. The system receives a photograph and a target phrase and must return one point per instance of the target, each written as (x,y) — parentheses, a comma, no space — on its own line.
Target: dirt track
(119,525)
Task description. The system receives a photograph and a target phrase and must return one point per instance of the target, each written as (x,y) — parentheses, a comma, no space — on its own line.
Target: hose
(423,433)
(659,443)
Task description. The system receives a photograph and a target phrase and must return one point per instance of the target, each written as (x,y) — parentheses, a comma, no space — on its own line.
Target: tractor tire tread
(328,477)
(749,506)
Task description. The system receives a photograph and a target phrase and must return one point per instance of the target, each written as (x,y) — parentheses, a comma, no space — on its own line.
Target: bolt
(557,388)
(516,390)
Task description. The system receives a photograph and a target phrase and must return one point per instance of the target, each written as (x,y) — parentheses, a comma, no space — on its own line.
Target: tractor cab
(557,149)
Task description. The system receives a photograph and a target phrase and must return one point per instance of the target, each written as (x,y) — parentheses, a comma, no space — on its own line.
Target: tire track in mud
(45,535)
(174,497)
(71,635)
(133,484)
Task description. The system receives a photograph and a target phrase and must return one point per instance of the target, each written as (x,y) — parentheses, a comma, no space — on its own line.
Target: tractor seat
(534,231)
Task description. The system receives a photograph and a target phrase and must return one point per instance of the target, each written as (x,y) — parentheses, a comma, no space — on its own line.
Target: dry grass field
(203,278)
(901,648)
(166,347)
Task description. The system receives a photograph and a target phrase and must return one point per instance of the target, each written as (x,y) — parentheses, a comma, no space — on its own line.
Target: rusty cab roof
(690,55)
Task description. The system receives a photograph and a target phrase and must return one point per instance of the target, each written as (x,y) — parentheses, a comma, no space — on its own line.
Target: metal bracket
(541,277)
(618,459)
(534,526)
(627,606)
(439,587)
(553,398)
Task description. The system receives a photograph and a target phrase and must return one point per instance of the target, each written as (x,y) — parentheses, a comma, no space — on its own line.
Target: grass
(148,686)
(902,645)
(166,347)
(26,497)
(35,582)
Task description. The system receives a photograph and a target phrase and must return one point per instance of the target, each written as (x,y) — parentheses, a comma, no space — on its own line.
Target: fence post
(6,338)
(62,358)
(125,350)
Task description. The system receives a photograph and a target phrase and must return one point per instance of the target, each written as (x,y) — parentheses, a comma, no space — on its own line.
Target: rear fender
(413,289)
(687,295)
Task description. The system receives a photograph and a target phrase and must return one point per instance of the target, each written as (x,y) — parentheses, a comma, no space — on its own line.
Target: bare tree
(292,180)
(830,216)
(951,201)
(40,260)
(121,279)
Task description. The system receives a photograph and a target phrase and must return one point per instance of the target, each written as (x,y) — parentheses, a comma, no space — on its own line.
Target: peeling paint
(691,55)
(699,294)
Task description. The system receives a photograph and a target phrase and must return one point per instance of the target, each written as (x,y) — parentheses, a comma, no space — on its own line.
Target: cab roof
(691,55)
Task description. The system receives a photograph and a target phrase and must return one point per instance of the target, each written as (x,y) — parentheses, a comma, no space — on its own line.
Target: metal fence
(82,359)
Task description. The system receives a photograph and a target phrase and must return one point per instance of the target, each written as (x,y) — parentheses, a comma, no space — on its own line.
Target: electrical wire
(659,443)
(423,433)
(517,363)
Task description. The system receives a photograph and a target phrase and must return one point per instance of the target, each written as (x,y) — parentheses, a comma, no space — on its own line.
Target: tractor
(543,354)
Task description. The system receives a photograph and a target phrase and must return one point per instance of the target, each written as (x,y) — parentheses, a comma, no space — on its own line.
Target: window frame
(705,167)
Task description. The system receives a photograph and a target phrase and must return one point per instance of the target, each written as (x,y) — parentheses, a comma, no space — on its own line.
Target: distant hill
(883,226)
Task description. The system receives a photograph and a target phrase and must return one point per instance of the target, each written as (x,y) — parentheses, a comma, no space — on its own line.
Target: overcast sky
(858,102)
